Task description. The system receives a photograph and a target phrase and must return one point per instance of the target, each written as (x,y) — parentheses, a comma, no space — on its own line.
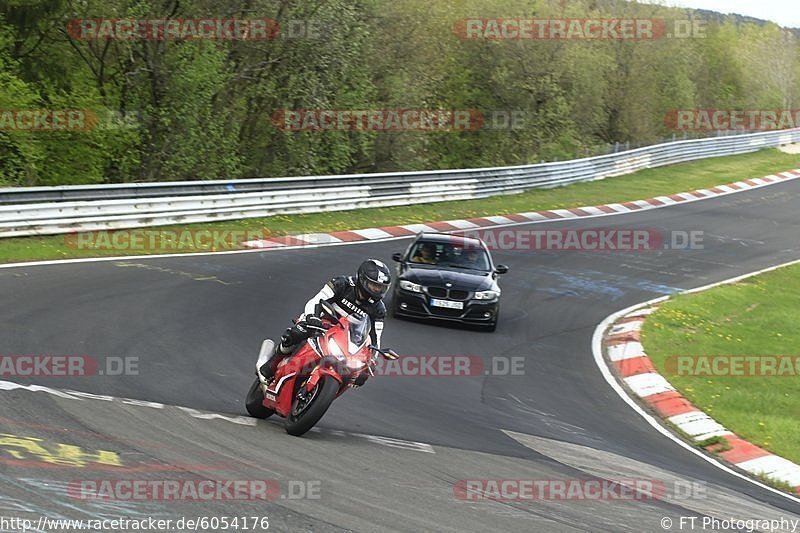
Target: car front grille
(451,294)
(458,295)
(437,292)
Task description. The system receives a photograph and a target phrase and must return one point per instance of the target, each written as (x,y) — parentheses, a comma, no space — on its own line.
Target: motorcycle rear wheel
(255,402)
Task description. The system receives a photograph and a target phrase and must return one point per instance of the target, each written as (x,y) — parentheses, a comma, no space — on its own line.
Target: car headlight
(408,286)
(487,295)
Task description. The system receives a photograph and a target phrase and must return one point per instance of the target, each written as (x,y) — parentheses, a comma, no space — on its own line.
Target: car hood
(461,279)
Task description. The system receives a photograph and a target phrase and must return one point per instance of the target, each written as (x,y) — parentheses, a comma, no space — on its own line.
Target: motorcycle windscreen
(359,333)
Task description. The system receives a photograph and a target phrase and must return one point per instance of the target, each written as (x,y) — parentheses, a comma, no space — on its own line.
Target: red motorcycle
(327,364)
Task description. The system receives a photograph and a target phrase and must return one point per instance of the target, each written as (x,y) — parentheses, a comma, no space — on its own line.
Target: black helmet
(372,280)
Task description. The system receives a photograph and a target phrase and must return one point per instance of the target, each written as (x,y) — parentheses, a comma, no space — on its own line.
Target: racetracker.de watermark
(66,366)
(47,120)
(450,366)
(173,29)
(193,489)
(163,240)
(705,120)
(397,120)
(617,240)
(733,365)
(438,366)
(577,29)
(576,489)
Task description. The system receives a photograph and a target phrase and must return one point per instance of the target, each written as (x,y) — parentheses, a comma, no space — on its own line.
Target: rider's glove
(294,335)
(314,324)
(304,329)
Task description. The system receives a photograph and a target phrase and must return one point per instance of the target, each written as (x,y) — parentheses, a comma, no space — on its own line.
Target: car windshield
(449,255)
(469,259)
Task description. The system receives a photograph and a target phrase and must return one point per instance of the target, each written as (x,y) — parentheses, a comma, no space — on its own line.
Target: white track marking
(592,210)
(619,208)
(627,350)
(372,233)
(698,425)
(564,213)
(627,327)
(207,415)
(462,224)
(500,220)
(666,200)
(775,467)
(533,217)
(416,228)
(687,196)
(317,238)
(648,384)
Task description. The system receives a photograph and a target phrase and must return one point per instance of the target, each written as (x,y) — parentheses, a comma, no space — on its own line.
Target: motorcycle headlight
(408,286)
(487,295)
(355,364)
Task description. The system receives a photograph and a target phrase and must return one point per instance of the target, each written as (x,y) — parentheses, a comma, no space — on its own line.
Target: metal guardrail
(64,209)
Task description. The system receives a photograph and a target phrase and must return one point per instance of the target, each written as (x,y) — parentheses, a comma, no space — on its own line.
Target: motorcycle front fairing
(345,347)
(341,353)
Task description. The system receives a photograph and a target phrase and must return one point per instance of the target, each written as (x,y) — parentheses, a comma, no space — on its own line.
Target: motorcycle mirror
(387,354)
(328,308)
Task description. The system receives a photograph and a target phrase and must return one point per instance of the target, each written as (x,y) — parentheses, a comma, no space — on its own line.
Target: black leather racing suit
(342,294)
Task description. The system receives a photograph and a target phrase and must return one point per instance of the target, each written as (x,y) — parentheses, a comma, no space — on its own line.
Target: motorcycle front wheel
(308,407)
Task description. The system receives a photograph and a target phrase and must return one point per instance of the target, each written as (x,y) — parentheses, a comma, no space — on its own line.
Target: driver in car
(426,254)
(359,296)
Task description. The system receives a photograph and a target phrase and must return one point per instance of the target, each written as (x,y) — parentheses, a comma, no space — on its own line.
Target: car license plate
(447,303)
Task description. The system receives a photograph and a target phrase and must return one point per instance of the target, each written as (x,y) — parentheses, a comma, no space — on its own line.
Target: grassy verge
(756,317)
(644,184)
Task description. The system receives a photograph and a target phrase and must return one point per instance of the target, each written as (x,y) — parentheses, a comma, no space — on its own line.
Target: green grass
(756,316)
(719,444)
(778,484)
(637,186)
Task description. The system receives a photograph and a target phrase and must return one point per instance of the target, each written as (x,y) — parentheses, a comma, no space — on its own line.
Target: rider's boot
(280,353)
(290,340)
(269,368)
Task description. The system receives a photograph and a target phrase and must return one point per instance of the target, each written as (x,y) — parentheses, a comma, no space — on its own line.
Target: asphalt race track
(387,456)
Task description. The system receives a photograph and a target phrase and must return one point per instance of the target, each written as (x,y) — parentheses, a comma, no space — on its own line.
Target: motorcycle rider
(360,296)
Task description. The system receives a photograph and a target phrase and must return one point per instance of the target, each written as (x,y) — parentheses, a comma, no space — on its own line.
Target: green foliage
(199,109)
(753,317)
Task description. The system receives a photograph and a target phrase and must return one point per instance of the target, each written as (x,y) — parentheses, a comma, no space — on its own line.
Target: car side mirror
(397,256)
(501,269)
